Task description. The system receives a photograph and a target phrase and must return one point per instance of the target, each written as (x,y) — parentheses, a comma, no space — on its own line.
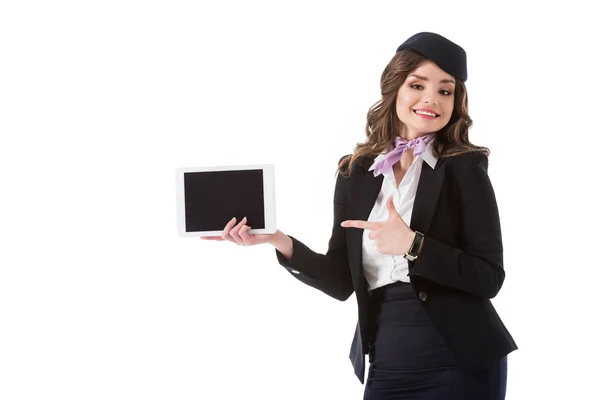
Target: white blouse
(382,269)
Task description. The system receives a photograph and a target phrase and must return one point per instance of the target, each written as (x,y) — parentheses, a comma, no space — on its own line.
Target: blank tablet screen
(212,198)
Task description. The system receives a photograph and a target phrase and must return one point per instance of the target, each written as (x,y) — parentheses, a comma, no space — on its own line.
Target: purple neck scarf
(417,144)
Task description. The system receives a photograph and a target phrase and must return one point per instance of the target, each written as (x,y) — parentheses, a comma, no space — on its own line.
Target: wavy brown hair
(383,125)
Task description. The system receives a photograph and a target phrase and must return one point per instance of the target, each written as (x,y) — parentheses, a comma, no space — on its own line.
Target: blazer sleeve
(477,267)
(329,272)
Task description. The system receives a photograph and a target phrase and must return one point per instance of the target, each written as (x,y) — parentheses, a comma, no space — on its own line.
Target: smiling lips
(426,113)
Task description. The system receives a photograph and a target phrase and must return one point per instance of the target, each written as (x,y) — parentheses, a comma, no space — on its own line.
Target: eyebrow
(425,79)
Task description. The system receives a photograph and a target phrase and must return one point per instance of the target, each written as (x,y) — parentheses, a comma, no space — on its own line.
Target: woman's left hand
(392,236)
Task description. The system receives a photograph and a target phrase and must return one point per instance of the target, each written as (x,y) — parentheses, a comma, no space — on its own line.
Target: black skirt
(409,360)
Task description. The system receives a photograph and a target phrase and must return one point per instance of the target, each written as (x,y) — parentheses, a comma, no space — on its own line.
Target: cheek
(446,119)
(449,108)
(405,101)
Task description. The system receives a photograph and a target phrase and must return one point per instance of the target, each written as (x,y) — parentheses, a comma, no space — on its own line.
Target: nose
(430,96)
(429,99)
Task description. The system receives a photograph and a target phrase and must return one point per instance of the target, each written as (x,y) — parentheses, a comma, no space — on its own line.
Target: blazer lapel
(428,193)
(364,188)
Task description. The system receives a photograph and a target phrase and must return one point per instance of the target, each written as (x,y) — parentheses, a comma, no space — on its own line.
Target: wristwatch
(411,254)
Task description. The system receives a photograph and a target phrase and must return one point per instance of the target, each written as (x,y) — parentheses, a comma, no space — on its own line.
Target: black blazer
(458,270)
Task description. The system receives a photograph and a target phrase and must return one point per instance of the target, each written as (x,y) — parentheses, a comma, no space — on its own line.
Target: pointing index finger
(358,224)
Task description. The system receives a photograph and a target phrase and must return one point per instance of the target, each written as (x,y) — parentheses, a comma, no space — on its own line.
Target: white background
(100,102)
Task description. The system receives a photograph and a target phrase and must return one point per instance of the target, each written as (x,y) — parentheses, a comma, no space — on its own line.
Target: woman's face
(427,89)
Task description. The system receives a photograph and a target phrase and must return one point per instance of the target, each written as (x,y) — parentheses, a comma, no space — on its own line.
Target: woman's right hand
(239,234)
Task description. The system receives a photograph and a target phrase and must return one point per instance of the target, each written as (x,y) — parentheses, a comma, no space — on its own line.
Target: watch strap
(412,252)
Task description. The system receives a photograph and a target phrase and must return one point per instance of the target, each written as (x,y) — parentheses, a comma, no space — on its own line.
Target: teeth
(425,113)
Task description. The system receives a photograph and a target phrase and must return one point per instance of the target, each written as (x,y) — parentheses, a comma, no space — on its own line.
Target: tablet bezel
(268,192)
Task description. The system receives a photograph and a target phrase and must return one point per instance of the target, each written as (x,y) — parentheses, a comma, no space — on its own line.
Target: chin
(428,128)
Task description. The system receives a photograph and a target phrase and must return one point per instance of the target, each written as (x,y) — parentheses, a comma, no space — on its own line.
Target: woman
(416,236)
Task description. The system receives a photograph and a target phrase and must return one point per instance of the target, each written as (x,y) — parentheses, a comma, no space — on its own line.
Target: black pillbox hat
(446,54)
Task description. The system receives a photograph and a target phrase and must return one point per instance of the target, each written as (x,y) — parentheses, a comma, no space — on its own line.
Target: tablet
(209,197)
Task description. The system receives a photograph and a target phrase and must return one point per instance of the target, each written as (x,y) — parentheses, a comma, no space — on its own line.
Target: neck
(413,135)
(405,134)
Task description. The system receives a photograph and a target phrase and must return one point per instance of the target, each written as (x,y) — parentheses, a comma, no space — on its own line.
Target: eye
(443,91)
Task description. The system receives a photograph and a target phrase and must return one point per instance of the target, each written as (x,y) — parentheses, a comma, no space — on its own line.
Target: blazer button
(423,296)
